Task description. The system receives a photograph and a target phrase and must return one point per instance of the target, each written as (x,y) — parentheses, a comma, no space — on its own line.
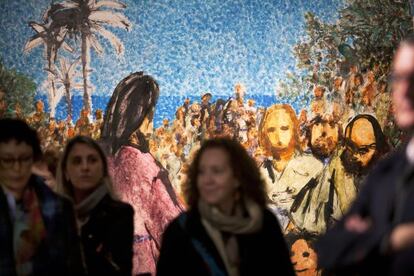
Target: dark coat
(368,253)
(59,253)
(107,238)
(260,253)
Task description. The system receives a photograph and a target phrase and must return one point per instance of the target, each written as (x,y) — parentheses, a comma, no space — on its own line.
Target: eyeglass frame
(9,162)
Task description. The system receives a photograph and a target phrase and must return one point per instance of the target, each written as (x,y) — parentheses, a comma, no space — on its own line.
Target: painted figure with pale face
(286,169)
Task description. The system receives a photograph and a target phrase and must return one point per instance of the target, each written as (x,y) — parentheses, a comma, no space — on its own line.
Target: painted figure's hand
(357,224)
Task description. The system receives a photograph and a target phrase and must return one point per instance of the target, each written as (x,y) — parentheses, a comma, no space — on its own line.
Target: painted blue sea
(165,108)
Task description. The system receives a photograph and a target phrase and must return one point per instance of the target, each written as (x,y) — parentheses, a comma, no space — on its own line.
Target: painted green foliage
(18,88)
(365,36)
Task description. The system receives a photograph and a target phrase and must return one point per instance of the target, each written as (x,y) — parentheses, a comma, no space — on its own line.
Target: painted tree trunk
(52,93)
(68,100)
(86,60)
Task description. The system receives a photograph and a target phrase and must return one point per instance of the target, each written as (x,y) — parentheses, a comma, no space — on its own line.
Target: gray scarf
(84,208)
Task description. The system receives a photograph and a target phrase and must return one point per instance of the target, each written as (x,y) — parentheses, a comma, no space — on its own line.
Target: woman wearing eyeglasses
(37,227)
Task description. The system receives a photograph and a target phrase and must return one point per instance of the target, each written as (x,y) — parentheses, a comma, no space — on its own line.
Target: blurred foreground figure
(376,236)
(37,227)
(227,230)
(105,224)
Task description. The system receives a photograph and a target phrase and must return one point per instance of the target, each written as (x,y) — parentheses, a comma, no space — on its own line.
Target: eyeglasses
(351,146)
(8,162)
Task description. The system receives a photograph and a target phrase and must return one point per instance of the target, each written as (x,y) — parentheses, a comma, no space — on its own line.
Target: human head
(239,90)
(206,97)
(98,114)
(19,148)
(64,184)
(46,167)
(39,106)
(131,107)
(243,167)
(278,130)
(324,136)
(318,91)
(303,256)
(364,143)
(402,78)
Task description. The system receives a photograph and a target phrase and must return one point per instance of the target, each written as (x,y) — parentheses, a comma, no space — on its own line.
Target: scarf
(29,229)
(83,209)
(223,228)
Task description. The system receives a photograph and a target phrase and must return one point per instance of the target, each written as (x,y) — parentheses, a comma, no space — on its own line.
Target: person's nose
(84,165)
(17,165)
(205,179)
(277,136)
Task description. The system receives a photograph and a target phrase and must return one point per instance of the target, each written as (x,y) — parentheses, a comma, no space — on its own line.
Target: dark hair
(16,129)
(382,146)
(243,166)
(132,100)
(51,158)
(321,120)
(64,186)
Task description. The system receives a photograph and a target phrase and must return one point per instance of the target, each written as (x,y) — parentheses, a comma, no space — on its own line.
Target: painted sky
(189,46)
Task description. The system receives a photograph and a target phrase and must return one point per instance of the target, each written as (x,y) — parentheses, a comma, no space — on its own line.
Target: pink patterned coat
(142,182)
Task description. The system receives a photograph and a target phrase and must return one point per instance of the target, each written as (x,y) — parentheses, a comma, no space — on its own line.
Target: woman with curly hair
(227,229)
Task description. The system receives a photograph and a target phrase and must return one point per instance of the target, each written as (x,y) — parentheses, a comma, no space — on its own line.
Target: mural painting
(303,86)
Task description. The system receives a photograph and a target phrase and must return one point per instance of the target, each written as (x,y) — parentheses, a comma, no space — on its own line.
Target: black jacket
(368,253)
(107,238)
(260,253)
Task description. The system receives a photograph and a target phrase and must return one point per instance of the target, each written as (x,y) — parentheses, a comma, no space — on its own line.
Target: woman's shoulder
(269,219)
(116,206)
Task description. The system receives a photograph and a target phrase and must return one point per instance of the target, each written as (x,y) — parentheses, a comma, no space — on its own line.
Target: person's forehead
(279,116)
(13,147)
(363,132)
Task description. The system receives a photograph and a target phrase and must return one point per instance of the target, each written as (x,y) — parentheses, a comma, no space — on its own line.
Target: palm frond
(95,44)
(109,4)
(37,27)
(70,4)
(113,39)
(65,46)
(33,42)
(111,18)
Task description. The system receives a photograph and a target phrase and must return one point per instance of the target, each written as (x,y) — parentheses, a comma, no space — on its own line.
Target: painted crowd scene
(302,85)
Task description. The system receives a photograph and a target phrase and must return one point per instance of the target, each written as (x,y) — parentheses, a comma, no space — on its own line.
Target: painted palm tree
(52,39)
(85,20)
(65,78)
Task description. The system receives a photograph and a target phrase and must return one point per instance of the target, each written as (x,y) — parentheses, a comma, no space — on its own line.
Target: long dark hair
(243,166)
(133,99)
